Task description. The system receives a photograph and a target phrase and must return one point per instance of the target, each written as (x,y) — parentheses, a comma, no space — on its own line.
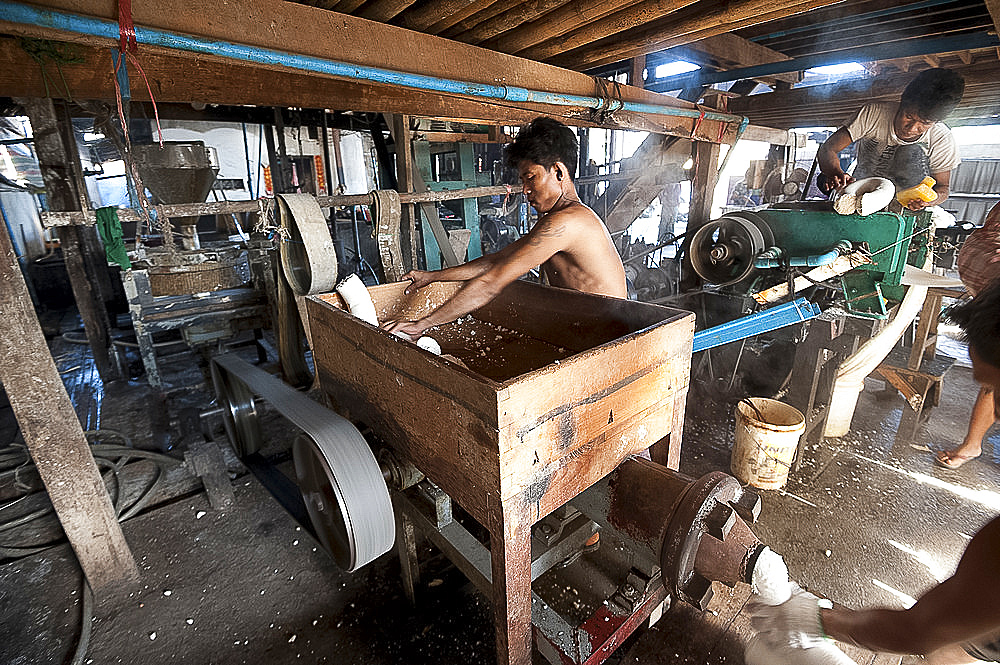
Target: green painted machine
(748,252)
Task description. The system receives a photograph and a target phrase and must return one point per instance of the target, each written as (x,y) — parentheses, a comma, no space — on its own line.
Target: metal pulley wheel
(341,482)
(702,509)
(239,412)
(723,250)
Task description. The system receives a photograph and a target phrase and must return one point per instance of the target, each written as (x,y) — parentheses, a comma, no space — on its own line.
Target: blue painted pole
(796,311)
(14,12)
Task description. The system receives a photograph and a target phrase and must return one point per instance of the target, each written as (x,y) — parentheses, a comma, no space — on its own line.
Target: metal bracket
(631,592)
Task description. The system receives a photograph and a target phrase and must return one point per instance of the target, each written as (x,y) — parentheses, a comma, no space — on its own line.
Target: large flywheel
(723,250)
(340,480)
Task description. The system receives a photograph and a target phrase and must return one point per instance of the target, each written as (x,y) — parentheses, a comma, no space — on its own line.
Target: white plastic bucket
(765,444)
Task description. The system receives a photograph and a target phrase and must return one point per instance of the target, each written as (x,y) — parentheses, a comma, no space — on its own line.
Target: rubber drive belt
(307,255)
(343,488)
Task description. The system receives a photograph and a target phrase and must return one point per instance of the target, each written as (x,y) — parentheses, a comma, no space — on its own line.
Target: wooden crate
(557,389)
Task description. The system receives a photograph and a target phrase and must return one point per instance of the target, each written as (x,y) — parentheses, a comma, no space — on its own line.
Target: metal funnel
(180,172)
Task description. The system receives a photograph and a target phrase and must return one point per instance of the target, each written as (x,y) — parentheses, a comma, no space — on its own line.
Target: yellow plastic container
(922,192)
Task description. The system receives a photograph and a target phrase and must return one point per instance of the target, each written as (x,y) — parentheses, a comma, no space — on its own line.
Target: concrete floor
(860,522)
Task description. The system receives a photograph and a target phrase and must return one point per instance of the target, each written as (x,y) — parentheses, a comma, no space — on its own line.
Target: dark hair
(544,141)
(934,93)
(980,319)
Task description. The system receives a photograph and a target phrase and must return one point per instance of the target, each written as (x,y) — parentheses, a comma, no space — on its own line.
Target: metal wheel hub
(723,250)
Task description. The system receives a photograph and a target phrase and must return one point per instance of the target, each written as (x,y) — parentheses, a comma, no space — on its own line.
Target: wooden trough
(555,388)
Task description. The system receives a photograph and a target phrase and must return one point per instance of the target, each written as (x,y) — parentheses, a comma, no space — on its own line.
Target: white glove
(796,622)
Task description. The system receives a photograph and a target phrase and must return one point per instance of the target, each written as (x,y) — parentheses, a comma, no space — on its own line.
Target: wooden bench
(921,388)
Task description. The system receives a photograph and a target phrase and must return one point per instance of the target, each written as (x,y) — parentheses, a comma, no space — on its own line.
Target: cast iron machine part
(694,531)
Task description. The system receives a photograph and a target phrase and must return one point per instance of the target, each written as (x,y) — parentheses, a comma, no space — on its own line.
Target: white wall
(21,216)
(228,141)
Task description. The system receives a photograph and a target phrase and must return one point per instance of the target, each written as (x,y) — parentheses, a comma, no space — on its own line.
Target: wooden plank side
(591,401)
(542,395)
(441,419)
(575,473)
(600,416)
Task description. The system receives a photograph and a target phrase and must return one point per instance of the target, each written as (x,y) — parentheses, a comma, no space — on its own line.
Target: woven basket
(197,278)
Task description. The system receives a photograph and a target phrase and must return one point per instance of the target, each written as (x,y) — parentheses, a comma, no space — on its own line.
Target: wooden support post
(55,439)
(433,225)
(400,126)
(406,548)
(638,67)
(705,175)
(510,552)
(925,340)
(470,207)
(55,163)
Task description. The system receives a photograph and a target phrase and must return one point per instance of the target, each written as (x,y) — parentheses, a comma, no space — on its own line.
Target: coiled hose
(15,459)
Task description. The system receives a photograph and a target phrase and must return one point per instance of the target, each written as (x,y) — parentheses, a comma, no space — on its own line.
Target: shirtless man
(569,241)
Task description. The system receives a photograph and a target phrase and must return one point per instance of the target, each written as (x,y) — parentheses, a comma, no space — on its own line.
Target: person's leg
(980,421)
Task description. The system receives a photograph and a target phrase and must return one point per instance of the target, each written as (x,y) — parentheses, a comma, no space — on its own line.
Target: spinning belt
(343,487)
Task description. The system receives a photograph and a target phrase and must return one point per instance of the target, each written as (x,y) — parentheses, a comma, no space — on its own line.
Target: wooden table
(557,389)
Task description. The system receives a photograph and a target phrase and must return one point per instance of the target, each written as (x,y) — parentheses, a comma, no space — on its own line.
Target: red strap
(697,124)
(126,29)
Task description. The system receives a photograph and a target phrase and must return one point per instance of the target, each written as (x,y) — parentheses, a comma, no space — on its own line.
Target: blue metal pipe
(907,48)
(14,12)
(772,259)
(796,311)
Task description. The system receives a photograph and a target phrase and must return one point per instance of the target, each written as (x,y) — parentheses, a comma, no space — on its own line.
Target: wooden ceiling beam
(288,27)
(557,22)
(513,14)
(833,104)
(831,14)
(993,6)
(729,51)
(183,81)
(426,14)
(349,6)
(624,19)
(701,20)
(384,10)
(447,22)
(176,79)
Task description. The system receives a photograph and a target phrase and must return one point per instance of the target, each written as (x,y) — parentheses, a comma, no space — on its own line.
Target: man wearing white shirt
(904,141)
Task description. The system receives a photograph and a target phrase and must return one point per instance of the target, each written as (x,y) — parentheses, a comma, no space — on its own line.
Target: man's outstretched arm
(547,238)
(959,610)
(459,273)
(828,157)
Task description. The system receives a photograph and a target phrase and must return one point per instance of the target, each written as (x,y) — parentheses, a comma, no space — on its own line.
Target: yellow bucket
(766,439)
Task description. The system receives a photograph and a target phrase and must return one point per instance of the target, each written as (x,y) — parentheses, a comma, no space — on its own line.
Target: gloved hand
(796,622)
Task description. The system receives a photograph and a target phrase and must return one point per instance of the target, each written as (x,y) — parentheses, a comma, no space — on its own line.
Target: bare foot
(952,459)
